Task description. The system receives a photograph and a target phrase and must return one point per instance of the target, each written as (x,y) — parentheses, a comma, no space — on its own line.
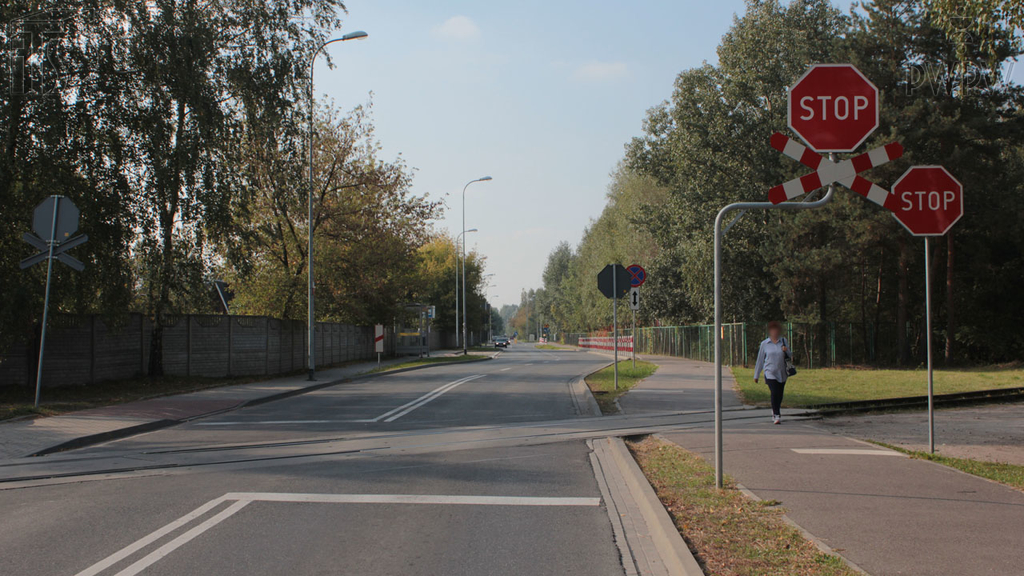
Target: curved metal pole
(745,206)
(311,322)
(465,344)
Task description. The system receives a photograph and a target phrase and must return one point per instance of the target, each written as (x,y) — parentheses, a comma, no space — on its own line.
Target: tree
(367,226)
(193,65)
(435,285)
(62,131)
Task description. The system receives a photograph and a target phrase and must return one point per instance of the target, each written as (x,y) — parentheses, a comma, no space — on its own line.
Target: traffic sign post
(613,281)
(833,107)
(634,305)
(378,340)
(928,201)
(55,219)
(637,277)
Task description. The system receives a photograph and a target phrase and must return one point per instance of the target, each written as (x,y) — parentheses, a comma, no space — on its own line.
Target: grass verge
(19,400)
(1010,474)
(549,347)
(823,385)
(729,533)
(602,383)
(430,360)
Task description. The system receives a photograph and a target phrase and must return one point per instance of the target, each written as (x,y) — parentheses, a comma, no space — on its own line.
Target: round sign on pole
(928,200)
(833,107)
(637,275)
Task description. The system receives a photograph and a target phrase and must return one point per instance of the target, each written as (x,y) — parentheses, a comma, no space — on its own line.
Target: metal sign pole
(928,340)
(634,339)
(46,298)
(742,206)
(615,323)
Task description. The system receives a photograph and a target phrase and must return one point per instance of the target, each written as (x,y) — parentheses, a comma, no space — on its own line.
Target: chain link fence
(814,345)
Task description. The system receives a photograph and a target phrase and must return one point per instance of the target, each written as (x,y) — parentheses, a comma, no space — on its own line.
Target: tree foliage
(178,127)
(707,146)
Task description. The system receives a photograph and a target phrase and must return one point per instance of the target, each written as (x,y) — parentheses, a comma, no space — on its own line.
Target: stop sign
(833,107)
(928,200)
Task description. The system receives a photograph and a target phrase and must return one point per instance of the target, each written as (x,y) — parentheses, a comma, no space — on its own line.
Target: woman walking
(771,360)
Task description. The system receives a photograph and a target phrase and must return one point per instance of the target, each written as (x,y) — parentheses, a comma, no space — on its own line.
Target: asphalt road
(490,507)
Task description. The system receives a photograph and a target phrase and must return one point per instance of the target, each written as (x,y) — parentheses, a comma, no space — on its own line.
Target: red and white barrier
(607,343)
(827,171)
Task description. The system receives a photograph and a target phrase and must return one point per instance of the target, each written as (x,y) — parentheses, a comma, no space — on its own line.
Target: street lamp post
(490,336)
(465,342)
(311,345)
(460,238)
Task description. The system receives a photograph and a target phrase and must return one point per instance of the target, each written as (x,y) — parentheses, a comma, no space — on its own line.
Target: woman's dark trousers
(777,388)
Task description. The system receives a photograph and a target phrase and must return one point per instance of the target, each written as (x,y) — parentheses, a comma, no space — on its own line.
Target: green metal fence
(814,345)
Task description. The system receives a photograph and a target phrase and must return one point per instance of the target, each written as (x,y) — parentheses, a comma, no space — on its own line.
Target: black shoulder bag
(790,367)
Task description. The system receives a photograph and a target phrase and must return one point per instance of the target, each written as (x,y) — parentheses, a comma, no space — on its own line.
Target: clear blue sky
(540,94)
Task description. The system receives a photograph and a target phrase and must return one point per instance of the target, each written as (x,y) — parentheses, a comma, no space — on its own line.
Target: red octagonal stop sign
(928,200)
(833,107)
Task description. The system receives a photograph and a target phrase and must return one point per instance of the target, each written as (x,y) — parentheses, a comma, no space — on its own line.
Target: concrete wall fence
(82,349)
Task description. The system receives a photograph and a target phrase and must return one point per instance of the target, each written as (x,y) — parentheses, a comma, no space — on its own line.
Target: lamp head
(357,35)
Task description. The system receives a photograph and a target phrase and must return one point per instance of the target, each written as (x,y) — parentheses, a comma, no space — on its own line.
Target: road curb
(995,395)
(128,431)
(818,543)
(653,545)
(89,440)
(583,397)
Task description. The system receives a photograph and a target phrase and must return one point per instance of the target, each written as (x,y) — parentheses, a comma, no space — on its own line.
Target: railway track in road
(70,468)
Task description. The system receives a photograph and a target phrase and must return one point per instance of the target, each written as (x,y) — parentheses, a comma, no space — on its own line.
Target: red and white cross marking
(826,171)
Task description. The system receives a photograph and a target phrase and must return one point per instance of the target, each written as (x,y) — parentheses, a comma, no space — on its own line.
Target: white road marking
(396,413)
(530,364)
(413,499)
(504,369)
(243,499)
(846,451)
(180,541)
(149,539)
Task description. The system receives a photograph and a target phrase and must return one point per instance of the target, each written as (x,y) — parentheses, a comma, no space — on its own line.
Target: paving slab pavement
(885,512)
(24,437)
(994,433)
(665,390)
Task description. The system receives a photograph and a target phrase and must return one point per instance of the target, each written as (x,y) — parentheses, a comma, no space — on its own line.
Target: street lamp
(464,340)
(311,345)
(459,238)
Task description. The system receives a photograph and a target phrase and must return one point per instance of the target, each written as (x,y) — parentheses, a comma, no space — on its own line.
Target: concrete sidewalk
(882,511)
(25,437)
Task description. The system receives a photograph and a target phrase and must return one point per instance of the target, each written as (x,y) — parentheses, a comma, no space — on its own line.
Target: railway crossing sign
(927,200)
(637,275)
(54,220)
(828,172)
(833,107)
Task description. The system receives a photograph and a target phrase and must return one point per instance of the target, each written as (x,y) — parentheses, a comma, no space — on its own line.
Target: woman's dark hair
(775,325)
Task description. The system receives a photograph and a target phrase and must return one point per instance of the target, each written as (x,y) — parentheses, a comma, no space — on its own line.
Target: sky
(541,95)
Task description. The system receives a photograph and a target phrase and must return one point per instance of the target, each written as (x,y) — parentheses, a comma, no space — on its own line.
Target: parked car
(500,342)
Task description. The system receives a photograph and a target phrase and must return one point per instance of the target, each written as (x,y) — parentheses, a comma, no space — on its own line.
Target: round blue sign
(637,275)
